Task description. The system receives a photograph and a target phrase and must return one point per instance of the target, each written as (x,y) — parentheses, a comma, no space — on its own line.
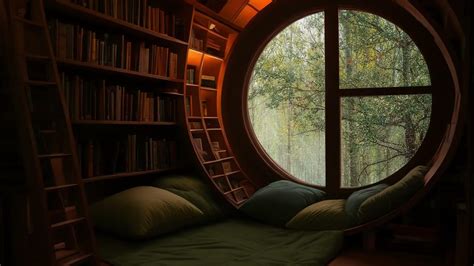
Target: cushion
(323,215)
(279,201)
(143,212)
(357,197)
(393,196)
(193,189)
(182,182)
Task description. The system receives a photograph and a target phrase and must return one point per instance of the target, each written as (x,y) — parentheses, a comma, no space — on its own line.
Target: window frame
(442,89)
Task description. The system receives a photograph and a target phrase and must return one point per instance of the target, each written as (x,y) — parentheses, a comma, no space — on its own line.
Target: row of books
(196,43)
(208,81)
(131,153)
(78,43)
(214,48)
(141,13)
(191,75)
(91,99)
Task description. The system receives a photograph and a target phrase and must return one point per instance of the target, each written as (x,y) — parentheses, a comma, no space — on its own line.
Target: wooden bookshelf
(209,44)
(127,174)
(124,127)
(73,64)
(121,123)
(87,15)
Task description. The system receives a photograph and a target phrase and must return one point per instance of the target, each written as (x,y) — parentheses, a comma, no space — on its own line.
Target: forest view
(379,134)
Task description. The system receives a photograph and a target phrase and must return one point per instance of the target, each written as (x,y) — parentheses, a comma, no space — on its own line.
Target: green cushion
(182,182)
(279,201)
(323,215)
(358,197)
(196,191)
(144,212)
(393,196)
(212,211)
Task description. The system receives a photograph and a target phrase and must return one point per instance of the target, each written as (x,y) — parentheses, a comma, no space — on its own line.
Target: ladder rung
(41,83)
(33,57)
(73,260)
(68,222)
(60,187)
(53,155)
(28,22)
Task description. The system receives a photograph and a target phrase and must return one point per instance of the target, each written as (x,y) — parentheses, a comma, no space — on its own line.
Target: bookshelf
(209,44)
(122,68)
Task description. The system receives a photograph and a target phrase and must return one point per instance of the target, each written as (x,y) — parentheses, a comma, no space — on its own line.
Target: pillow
(182,182)
(357,197)
(211,210)
(393,196)
(324,215)
(279,201)
(143,212)
(193,189)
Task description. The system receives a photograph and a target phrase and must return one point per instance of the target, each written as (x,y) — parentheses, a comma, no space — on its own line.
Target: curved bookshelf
(209,45)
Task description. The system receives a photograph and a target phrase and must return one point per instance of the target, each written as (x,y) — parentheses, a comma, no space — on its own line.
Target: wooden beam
(333,103)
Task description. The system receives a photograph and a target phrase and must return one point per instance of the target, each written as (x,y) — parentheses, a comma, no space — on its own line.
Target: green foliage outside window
(379,134)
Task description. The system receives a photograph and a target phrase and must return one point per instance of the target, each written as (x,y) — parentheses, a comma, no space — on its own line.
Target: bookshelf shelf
(114,70)
(92,16)
(123,123)
(62,187)
(209,89)
(213,56)
(226,174)
(126,174)
(219,160)
(217,35)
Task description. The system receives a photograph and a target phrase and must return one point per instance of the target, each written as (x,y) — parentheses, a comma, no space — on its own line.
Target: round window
(371,118)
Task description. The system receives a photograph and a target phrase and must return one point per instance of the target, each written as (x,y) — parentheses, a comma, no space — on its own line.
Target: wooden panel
(245,16)
(259,4)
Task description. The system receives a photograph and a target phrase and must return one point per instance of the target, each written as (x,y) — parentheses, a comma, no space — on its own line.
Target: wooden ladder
(59,227)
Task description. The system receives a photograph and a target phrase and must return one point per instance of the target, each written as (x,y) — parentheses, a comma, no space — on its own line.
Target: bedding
(324,215)
(393,196)
(144,212)
(193,189)
(230,242)
(358,197)
(280,201)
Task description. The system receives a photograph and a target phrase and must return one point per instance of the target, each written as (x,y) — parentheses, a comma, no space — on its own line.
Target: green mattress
(230,242)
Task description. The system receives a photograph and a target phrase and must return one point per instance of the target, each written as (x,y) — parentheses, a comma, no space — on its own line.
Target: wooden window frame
(444,88)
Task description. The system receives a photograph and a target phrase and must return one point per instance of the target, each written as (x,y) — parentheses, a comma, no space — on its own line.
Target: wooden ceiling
(238,12)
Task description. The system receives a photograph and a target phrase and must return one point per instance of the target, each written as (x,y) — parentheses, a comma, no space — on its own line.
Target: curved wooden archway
(436,150)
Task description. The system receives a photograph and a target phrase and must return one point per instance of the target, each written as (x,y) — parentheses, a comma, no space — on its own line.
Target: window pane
(373,52)
(286,99)
(380,135)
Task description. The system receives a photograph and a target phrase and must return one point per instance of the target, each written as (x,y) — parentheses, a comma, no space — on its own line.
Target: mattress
(229,242)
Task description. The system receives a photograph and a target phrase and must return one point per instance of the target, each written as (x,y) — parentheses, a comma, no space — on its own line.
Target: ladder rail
(69,130)
(41,231)
(28,151)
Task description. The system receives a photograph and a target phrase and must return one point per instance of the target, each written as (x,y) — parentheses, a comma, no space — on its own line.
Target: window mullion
(333,108)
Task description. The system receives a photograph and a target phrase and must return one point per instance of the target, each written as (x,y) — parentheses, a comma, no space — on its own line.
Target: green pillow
(393,196)
(323,215)
(144,212)
(182,182)
(354,201)
(208,206)
(196,191)
(279,201)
